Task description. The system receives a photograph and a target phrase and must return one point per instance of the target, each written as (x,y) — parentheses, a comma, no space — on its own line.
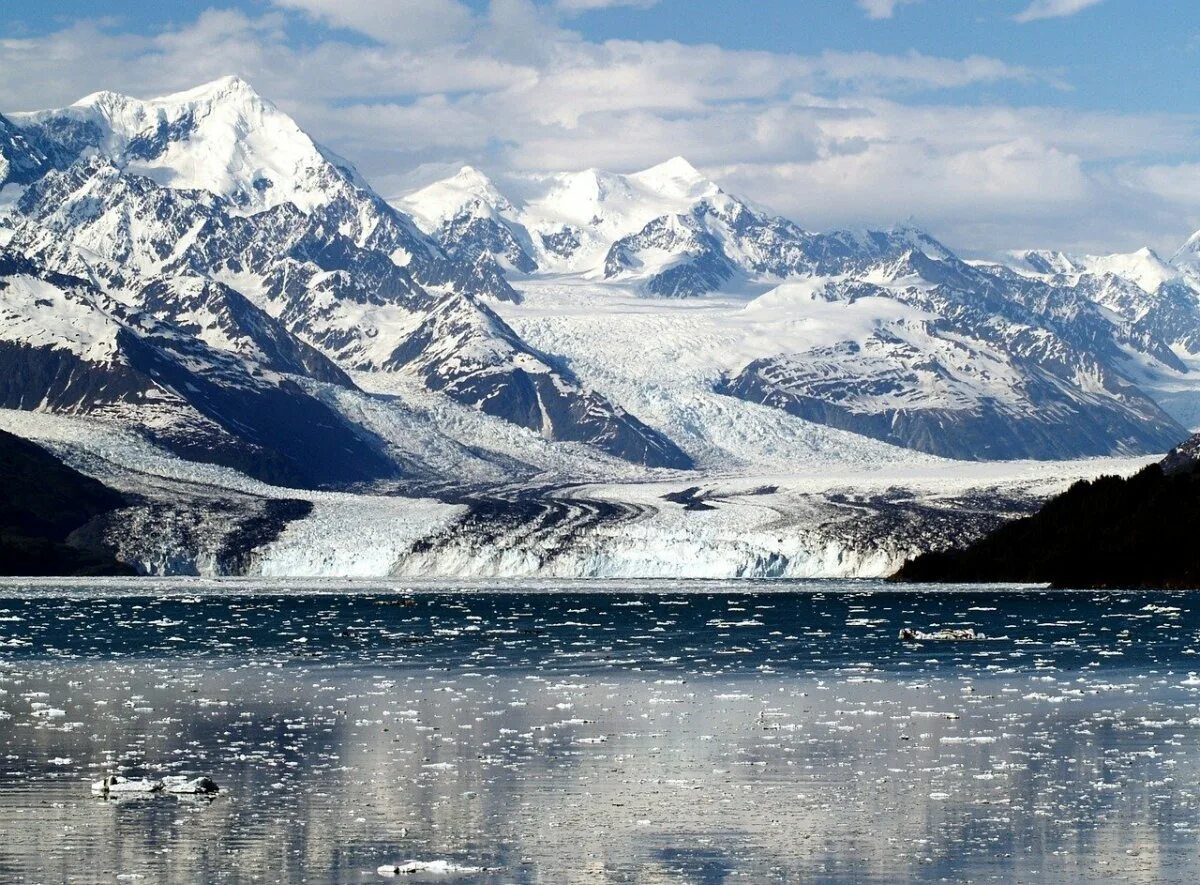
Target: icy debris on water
(196,786)
(115,784)
(438,867)
(908,634)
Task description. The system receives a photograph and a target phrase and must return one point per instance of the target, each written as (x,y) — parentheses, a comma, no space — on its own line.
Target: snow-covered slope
(1143,267)
(668,229)
(220,137)
(235,395)
(566,222)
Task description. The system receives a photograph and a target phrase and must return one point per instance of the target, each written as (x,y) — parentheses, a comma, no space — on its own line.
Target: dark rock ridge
(20,162)
(1112,532)
(44,509)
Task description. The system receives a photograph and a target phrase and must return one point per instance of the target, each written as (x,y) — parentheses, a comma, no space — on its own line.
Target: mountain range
(197,268)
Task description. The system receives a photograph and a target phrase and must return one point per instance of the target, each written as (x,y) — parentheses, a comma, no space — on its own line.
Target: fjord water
(702,733)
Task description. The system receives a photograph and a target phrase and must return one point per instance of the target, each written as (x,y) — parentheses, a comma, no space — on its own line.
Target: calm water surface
(700,733)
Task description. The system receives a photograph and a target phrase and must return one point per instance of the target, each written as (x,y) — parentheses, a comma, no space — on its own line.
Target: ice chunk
(179,783)
(439,867)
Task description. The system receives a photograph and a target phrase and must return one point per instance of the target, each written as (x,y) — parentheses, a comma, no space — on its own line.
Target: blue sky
(995,123)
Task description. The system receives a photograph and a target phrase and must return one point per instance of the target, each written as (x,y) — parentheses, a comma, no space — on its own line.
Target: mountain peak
(676,179)
(468,177)
(677,167)
(230,86)
(443,199)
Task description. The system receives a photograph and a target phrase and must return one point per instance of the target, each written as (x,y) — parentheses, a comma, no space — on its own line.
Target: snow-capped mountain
(1144,267)
(595,372)
(233,393)
(210,218)
(566,223)
(971,369)
(221,137)
(324,257)
(225,141)
(668,230)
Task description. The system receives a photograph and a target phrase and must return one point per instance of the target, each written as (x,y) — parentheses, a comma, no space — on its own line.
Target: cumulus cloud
(1040,9)
(403,22)
(829,139)
(878,9)
(572,6)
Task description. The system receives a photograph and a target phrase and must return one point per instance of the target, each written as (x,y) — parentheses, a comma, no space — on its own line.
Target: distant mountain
(1114,532)
(972,366)
(44,509)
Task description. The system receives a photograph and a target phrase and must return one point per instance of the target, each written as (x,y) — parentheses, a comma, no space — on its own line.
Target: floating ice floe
(908,634)
(439,867)
(115,784)
(196,786)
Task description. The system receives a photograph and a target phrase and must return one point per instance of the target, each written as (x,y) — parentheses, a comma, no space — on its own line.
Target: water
(656,735)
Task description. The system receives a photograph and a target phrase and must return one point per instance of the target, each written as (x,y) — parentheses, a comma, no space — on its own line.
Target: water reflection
(704,738)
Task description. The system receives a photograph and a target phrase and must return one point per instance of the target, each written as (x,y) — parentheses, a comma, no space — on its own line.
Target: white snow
(598,206)
(237,144)
(1143,267)
(41,314)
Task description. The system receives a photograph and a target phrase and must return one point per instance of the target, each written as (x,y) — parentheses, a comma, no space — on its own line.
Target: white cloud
(572,6)
(879,9)
(829,139)
(1040,9)
(403,22)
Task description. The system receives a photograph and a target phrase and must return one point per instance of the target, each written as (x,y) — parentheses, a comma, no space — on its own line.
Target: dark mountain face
(1112,532)
(20,161)
(44,502)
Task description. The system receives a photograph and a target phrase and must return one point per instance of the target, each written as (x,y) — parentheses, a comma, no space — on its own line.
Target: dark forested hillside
(42,502)
(1139,531)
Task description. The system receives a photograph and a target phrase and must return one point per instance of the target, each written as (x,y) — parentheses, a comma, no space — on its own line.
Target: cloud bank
(408,89)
